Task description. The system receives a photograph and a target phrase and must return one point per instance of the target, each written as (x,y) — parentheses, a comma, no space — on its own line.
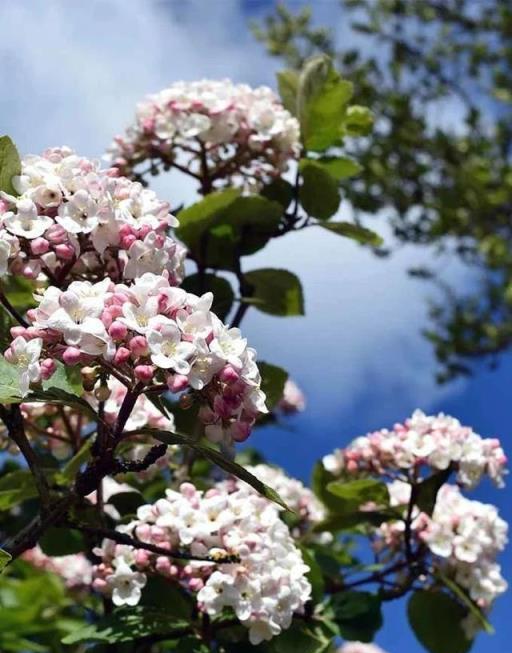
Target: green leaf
(10,165)
(65,378)
(353,494)
(466,600)
(195,219)
(16,487)
(60,397)
(126,625)
(314,574)
(355,232)
(340,167)
(319,481)
(319,193)
(126,503)
(5,558)
(223,294)
(425,493)
(358,121)
(188,644)
(254,220)
(300,638)
(218,459)
(20,292)
(9,383)
(223,226)
(273,379)
(322,100)
(159,591)
(350,519)
(435,618)
(60,542)
(357,615)
(279,190)
(277,292)
(288,85)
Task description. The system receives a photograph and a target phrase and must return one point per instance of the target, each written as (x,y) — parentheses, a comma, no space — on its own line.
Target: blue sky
(72,71)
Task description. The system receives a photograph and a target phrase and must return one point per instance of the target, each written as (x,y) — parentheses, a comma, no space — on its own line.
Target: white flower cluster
(242,133)
(75,570)
(437,441)
(74,219)
(465,537)
(264,588)
(153,333)
(295,494)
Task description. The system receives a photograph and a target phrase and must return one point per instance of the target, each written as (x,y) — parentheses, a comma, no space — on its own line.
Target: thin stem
(126,409)
(124,538)
(408,523)
(245,290)
(11,310)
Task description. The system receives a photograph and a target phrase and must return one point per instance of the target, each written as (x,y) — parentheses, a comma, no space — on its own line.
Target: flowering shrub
(126,385)
(417,518)
(71,219)
(464,538)
(153,334)
(265,585)
(438,441)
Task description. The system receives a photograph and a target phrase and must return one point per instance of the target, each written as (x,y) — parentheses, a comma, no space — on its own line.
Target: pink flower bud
(121,355)
(138,346)
(196,584)
(29,272)
(39,246)
(56,234)
(144,231)
(64,251)
(125,229)
(177,382)
(48,367)
(119,298)
(240,431)
(99,584)
(127,241)
(117,330)
(32,314)
(17,331)
(352,466)
(9,355)
(71,356)
(163,565)
(188,490)
(116,311)
(228,374)
(142,558)
(144,373)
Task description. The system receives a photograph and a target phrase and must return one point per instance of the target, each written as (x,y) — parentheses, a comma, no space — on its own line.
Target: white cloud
(72,73)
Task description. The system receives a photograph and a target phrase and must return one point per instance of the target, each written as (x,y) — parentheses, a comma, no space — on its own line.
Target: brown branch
(13,421)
